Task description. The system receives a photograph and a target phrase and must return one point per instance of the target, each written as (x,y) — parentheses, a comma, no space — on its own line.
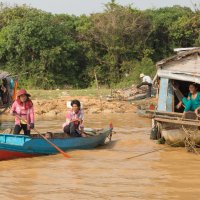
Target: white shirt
(147,79)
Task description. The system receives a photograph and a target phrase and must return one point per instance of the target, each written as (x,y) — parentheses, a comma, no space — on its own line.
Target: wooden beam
(164,113)
(176,118)
(178,121)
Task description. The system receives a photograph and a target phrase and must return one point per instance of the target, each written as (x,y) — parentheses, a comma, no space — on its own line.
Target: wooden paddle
(51,143)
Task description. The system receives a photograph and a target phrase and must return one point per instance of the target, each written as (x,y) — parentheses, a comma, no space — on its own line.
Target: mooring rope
(190,144)
(153,151)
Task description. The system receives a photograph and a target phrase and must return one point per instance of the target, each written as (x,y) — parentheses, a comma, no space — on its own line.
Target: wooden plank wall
(166,95)
(162,98)
(170,97)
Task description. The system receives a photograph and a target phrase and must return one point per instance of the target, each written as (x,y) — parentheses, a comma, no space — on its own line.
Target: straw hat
(141,75)
(21,92)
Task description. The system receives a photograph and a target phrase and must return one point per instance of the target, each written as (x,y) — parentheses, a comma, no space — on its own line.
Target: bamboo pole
(98,91)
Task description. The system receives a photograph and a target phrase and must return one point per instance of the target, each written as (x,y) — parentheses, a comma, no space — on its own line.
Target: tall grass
(55,94)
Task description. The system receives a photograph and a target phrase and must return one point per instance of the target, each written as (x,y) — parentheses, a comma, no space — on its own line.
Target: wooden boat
(19,146)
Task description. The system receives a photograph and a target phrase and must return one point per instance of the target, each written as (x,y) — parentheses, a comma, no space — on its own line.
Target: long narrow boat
(19,146)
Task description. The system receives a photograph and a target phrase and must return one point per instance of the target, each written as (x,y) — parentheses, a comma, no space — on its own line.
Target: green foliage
(118,35)
(41,45)
(146,66)
(63,51)
(161,40)
(185,30)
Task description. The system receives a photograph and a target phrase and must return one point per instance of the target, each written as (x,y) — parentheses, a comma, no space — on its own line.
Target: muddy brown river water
(104,173)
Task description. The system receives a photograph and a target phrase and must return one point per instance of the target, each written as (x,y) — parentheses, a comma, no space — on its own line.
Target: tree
(41,44)
(163,19)
(65,50)
(117,35)
(185,31)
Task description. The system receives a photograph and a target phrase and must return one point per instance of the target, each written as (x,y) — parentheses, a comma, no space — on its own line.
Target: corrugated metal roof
(180,50)
(182,76)
(178,57)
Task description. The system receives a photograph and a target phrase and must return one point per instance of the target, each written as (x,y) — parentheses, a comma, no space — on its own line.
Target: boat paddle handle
(51,143)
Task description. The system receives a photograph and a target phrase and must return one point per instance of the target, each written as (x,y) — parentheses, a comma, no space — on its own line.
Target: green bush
(146,66)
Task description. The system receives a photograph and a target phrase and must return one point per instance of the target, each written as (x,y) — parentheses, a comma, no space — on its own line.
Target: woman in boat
(23,111)
(192,102)
(74,125)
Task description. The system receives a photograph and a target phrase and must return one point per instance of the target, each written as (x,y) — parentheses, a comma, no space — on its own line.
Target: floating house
(181,69)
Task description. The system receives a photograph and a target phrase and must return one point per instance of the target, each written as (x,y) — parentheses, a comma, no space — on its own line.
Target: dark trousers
(149,88)
(72,130)
(18,128)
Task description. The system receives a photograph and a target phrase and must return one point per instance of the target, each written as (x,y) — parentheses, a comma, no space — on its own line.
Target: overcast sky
(78,7)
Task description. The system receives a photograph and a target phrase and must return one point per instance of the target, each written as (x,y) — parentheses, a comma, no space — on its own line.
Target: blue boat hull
(16,146)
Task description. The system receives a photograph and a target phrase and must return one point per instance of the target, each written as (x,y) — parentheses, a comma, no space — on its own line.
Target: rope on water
(153,151)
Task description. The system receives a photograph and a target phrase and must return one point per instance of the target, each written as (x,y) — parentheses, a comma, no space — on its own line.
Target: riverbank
(91,105)
(53,103)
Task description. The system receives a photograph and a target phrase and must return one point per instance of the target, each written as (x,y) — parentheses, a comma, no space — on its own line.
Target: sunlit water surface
(105,172)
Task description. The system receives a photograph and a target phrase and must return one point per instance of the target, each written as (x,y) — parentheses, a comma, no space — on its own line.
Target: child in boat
(74,125)
(48,135)
(23,111)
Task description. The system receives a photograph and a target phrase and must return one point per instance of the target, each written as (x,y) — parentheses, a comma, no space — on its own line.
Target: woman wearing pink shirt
(23,107)
(74,120)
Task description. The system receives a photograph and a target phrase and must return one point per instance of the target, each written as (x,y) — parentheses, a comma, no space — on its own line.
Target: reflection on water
(104,173)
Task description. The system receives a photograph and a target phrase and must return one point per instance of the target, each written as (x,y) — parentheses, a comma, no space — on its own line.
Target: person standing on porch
(146,80)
